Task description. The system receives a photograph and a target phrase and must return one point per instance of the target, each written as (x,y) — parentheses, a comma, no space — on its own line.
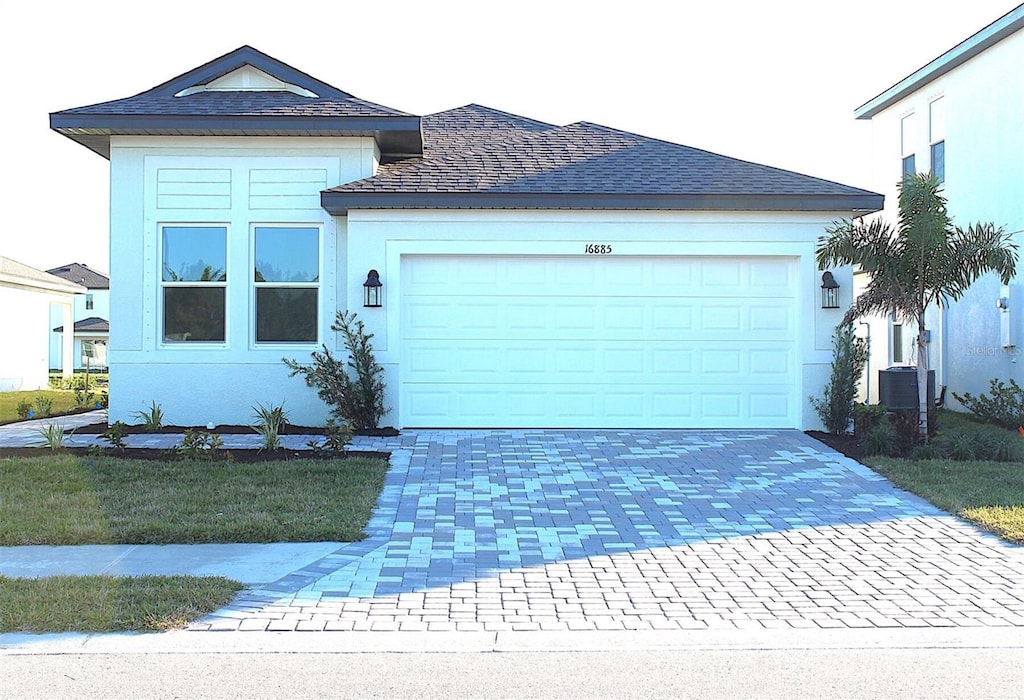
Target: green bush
(44,406)
(881,441)
(1004,405)
(849,355)
(23,409)
(866,417)
(356,400)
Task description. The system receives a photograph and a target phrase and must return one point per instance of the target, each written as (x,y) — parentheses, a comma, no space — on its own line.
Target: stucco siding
(234,183)
(984,171)
(24,355)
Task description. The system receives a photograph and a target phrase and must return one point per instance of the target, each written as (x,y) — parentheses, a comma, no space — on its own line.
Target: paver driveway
(564,530)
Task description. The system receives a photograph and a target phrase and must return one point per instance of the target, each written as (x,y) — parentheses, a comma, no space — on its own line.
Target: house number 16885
(597,249)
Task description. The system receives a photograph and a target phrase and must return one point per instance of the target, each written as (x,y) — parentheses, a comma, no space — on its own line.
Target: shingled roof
(16,274)
(476,157)
(93,324)
(181,107)
(81,274)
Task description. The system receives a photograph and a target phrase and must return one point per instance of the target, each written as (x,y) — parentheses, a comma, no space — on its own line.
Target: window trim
(253,285)
(163,284)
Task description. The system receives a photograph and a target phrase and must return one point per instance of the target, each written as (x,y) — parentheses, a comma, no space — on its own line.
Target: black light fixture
(372,289)
(829,291)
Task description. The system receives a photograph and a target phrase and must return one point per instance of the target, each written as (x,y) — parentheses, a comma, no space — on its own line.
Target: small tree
(358,400)
(849,356)
(925,260)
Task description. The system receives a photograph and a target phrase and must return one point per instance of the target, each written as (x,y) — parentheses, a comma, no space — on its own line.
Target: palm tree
(925,260)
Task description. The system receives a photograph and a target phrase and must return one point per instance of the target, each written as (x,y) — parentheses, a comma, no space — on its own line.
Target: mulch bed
(161,455)
(100,428)
(844,444)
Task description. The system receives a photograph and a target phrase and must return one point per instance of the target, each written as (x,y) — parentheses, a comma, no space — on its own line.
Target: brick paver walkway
(595,530)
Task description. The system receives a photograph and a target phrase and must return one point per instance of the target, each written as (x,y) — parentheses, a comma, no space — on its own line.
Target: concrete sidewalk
(251,564)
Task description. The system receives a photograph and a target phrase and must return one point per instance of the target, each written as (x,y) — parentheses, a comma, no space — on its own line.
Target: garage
(598,341)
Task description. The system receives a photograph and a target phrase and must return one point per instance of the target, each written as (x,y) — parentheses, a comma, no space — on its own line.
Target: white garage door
(598,342)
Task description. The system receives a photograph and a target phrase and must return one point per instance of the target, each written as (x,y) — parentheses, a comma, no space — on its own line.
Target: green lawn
(990,494)
(63,401)
(987,493)
(64,499)
(108,603)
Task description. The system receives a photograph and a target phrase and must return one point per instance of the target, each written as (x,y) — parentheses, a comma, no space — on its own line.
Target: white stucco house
(960,117)
(26,297)
(533,275)
(91,318)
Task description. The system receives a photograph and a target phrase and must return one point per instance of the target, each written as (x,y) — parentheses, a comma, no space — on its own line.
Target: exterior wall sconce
(372,290)
(829,291)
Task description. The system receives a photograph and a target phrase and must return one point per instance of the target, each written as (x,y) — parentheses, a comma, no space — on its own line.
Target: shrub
(115,434)
(849,355)
(358,400)
(866,417)
(83,397)
(336,437)
(24,408)
(152,419)
(270,421)
(53,435)
(199,445)
(881,441)
(44,406)
(1004,406)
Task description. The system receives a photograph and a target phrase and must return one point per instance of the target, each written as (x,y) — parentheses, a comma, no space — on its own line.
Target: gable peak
(246,78)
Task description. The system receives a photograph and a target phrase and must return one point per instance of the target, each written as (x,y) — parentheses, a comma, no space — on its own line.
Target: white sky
(771,82)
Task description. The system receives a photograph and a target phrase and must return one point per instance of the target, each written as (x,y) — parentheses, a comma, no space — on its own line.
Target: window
(939,160)
(907,125)
(897,342)
(909,169)
(88,302)
(937,137)
(194,282)
(286,277)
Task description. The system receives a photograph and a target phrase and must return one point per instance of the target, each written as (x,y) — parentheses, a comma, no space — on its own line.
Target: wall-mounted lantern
(829,291)
(372,289)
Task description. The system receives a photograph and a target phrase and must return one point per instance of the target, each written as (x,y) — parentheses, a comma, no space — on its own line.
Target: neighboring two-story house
(960,117)
(91,319)
(532,275)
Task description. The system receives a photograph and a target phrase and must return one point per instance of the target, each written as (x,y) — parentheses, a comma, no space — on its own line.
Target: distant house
(532,275)
(91,314)
(960,117)
(26,296)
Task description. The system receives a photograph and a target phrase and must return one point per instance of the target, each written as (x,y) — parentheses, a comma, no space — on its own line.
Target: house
(92,309)
(960,117)
(532,275)
(26,297)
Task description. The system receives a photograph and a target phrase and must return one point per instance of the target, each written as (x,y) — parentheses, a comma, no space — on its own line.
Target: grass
(987,493)
(65,499)
(63,401)
(109,604)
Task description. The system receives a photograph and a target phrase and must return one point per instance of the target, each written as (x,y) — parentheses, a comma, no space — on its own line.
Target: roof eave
(1003,27)
(394,134)
(340,203)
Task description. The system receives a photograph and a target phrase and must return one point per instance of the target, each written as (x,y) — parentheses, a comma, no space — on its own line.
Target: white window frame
(164,284)
(317,285)
(937,133)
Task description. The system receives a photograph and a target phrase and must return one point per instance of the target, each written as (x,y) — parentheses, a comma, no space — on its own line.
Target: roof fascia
(339,203)
(236,59)
(1003,27)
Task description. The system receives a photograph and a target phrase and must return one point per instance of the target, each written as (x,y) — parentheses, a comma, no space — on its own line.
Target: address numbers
(597,249)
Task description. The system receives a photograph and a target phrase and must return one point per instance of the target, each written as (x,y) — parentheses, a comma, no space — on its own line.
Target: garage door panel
(616,363)
(598,342)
